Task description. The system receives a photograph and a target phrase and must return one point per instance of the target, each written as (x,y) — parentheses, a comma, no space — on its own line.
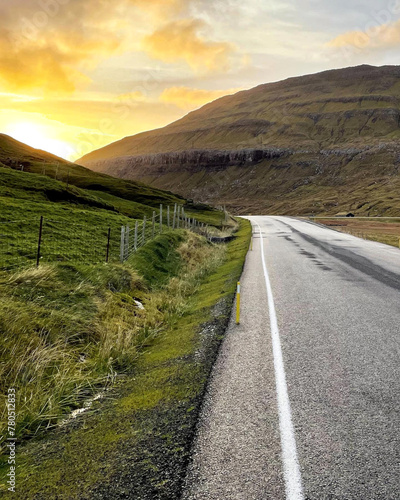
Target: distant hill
(19,156)
(13,152)
(72,183)
(315,144)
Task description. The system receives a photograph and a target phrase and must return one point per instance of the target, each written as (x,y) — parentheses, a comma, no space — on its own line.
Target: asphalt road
(304,398)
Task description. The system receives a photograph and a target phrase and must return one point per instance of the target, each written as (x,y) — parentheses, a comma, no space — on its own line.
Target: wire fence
(135,236)
(36,240)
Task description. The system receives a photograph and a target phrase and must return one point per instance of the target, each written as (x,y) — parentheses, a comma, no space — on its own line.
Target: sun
(39,137)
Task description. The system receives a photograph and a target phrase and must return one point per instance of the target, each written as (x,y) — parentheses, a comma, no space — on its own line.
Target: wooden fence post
(39,241)
(161,214)
(168,217)
(154,225)
(108,245)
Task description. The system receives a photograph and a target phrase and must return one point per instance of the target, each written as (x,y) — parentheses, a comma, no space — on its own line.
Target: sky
(76,75)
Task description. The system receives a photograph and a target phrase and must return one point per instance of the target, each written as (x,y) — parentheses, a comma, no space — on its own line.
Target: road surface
(304,399)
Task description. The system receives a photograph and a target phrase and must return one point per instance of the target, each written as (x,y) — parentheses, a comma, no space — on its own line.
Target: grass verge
(383,230)
(136,443)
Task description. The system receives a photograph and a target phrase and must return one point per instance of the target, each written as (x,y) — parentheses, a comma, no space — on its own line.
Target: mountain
(320,143)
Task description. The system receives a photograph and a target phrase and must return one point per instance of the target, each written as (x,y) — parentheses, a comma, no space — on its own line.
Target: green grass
(76,220)
(68,327)
(139,440)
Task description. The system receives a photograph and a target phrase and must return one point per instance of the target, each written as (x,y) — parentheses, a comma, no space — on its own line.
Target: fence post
(108,245)
(144,229)
(39,241)
(154,225)
(161,214)
(178,215)
(127,238)
(174,219)
(168,217)
(122,251)
(136,234)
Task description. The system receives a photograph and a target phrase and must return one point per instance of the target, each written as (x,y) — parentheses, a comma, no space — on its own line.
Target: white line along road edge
(291,467)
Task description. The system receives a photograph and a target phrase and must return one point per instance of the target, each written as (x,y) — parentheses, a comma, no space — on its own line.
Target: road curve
(303,403)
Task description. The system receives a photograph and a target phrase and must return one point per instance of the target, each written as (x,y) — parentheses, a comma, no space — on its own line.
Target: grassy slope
(364,184)
(76,219)
(14,153)
(129,198)
(352,106)
(138,444)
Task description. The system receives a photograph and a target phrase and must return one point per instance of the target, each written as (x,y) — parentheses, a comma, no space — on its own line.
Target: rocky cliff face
(193,161)
(335,133)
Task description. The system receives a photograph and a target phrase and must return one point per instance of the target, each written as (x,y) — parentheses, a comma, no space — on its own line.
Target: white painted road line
(291,467)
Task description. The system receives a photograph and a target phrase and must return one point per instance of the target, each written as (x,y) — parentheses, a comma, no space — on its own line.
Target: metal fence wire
(17,244)
(136,235)
(28,242)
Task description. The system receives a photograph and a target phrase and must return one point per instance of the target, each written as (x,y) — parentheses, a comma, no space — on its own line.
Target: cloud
(160,7)
(188,99)
(47,45)
(376,37)
(180,40)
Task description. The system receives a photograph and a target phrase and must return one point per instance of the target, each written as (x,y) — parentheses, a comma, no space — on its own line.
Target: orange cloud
(39,49)
(188,99)
(180,40)
(159,6)
(378,37)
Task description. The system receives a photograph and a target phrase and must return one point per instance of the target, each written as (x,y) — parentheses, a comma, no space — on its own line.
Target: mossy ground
(136,443)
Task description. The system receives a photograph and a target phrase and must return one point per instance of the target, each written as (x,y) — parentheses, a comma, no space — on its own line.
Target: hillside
(314,144)
(19,156)
(71,182)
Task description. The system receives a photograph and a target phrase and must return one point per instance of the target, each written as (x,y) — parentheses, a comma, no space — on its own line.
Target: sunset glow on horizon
(77,75)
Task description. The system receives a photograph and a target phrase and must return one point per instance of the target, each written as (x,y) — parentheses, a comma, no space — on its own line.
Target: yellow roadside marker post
(238,304)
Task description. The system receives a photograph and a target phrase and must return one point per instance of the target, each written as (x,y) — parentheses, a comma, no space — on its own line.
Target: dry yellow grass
(382,230)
